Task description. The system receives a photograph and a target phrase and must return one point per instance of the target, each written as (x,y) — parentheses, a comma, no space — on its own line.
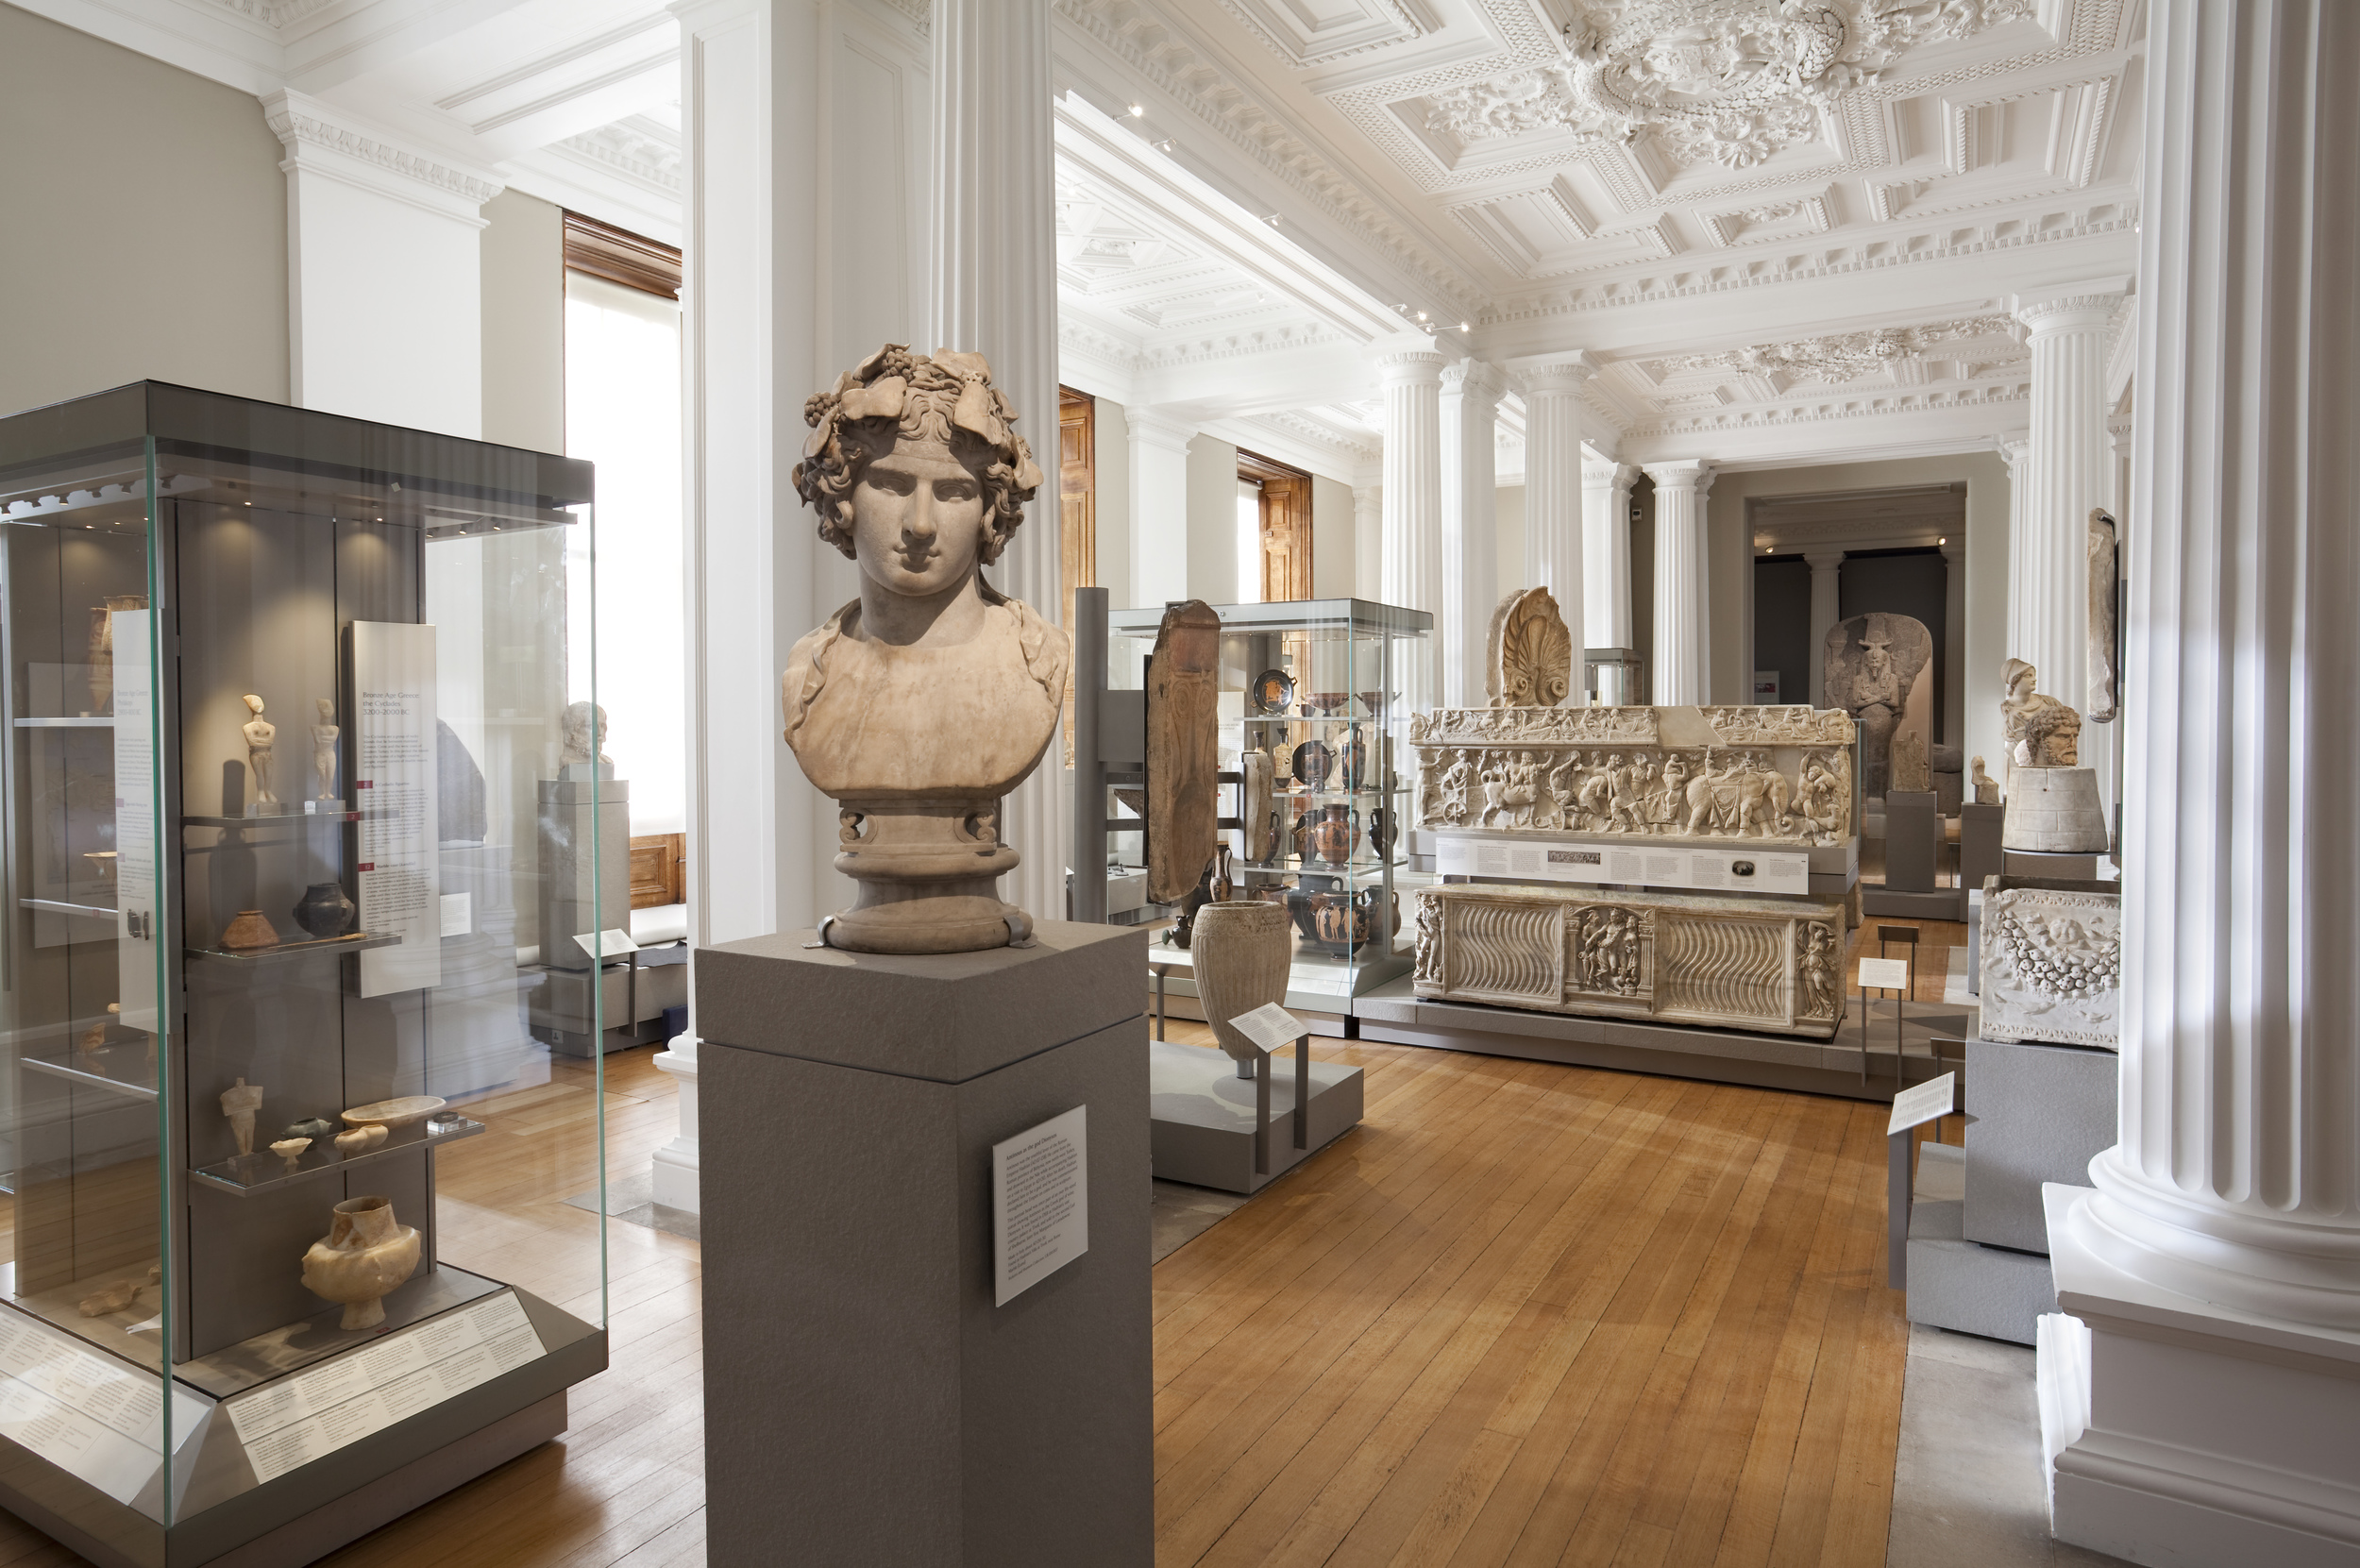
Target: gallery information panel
(1040,1202)
(84,1411)
(394,790)
(135,821)
(310,1414)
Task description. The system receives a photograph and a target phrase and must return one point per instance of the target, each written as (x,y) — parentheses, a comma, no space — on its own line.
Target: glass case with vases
(286,713)
(1315,701)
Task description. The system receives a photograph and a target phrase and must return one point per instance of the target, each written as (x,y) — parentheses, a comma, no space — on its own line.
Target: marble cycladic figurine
(919,705)
(261,735)
(323,735)
(239,1103)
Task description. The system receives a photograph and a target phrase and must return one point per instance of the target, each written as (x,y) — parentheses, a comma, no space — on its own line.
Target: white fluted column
(1606,552)
(1159,505)
(1413,504)
(1826,610)
(2216,1265)
(2067,472)
(995,292)
(1471,573)
(1684,587)
(1368,542)
(1953,726)
(1555,488)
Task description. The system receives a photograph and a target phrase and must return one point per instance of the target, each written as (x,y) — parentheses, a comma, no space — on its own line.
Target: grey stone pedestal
(866,1404)
(571,904)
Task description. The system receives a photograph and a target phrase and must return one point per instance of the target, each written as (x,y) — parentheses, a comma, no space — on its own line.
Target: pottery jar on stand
(1242,951)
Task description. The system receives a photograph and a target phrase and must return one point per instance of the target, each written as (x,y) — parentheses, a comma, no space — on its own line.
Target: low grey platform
(1394,1014)
(1978,1236)
(866,1406)
(1203,1113)
(1942,903)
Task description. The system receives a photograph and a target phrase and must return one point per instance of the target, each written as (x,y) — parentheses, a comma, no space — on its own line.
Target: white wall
(1985,564)
(148,219)
(1112,434)
(1333,562)
(1213,521)
(523,268)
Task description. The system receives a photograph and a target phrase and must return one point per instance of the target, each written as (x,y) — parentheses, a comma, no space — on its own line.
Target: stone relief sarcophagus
(1668,957)
(1761,775)
(2053,961)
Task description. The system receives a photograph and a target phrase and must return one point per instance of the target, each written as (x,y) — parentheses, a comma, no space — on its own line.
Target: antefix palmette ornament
(919,705)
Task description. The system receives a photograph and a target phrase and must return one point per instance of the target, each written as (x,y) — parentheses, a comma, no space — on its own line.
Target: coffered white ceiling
(1782,227)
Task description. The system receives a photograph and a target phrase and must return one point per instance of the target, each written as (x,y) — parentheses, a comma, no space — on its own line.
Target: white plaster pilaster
(1554,484)
(1413,504)
(1826,610)
(1470,578)
(1953,729)
(1368,542)
(2068,470)
(1683,605)
(1159,505)
(384,271)
(1606,552)
(995,292)
(2217,1263)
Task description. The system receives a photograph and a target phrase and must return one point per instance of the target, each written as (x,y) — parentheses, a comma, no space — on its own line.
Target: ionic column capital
(1694,474)
(2082,307)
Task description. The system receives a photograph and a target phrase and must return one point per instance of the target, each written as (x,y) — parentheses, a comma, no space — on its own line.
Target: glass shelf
(122,1069)
(263,1171)
(356,942)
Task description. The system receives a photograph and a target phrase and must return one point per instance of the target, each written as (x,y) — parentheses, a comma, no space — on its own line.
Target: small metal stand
(1261,1103)
(1890,936)
(1901,1168)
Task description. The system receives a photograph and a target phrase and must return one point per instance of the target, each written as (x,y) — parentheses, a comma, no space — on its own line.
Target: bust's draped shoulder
(807,666)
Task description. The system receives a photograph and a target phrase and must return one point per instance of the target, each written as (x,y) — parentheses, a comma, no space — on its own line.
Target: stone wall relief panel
(2052,962)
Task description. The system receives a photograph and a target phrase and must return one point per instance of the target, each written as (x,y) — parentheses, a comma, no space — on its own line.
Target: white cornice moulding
(320,141)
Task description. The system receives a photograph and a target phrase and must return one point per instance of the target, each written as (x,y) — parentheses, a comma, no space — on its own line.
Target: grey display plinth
(1977,1237)
(866,1404)
(1203,1131)
(1912,835)
(571,904)
(2037,863)
(1978,843)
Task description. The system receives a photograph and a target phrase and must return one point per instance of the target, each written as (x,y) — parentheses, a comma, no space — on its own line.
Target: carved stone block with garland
(2053,961)
(1769,966)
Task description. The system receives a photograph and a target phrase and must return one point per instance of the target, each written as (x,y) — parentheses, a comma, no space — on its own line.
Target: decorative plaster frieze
(1842,357)
(1779,416)
(275,13)
(1382,22)
(1809,214)
(299,123)
(646,160)
(1711,82)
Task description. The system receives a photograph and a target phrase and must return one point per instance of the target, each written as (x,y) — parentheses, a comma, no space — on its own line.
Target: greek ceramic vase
(1242,950)
(1313,762)
(1347,921)
(1223,883)
(248,933)
(324,911)
(1353,758)
(1335,835)
(363,1255)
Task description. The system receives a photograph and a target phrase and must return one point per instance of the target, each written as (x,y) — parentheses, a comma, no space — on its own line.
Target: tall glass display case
(286,707)
(1325,688)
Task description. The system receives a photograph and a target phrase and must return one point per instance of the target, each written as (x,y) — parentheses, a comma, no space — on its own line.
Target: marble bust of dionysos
(920,704)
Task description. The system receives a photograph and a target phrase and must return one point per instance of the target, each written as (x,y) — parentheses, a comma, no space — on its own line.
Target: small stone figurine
(1986,787)
(323,735)
(260,736)
(239,1103)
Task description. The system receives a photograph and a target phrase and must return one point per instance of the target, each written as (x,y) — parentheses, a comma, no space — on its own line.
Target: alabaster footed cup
(928,873)
(1240,951)
(364,1254)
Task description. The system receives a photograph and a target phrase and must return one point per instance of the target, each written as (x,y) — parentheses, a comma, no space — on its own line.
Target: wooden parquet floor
(1524,1314)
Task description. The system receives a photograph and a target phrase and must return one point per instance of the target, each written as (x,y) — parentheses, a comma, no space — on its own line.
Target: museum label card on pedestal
(1928,1102)
(84,1411)
(393,785)
(1884,974)
(300,1417)
(1270,1026)
(1040,1208)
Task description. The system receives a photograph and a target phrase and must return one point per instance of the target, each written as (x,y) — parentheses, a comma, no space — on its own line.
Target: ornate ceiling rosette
(1844,356)
(1726,81)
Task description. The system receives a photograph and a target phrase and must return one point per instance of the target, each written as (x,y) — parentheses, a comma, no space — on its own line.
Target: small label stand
(1882,974)
(1928,1102)
(1270,1027)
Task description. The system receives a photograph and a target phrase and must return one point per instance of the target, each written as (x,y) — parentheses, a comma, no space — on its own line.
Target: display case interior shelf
(356,942)
(83,723)
(263,1171)
(125,1069)
(60,906)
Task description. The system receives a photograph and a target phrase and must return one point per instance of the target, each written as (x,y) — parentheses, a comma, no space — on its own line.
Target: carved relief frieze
(2052,962)
(1682,958)
(1843,357)
(1776,775)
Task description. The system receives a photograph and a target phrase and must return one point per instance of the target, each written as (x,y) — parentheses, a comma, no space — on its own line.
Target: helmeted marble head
(933,416)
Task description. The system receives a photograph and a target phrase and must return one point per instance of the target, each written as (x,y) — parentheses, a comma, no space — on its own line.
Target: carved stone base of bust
(2056,810)
(929,874)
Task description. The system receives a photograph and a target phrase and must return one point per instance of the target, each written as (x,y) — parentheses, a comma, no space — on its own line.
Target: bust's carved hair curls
(945,404)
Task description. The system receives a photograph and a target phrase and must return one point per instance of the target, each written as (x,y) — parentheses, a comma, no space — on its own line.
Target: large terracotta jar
(364,1254)
(1335,837)
(1242,950)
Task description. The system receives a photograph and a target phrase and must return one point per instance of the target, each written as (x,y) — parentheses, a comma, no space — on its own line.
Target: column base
(2188,1434)
(674,1167)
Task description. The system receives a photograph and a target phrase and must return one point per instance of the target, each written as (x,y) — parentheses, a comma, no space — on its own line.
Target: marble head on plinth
(919,705)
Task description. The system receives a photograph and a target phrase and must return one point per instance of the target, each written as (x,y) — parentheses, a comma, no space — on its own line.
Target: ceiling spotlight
(1272,220)
(1944,540)
(1164,146)
(1139,111)
(1421,316)
(1464,327)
